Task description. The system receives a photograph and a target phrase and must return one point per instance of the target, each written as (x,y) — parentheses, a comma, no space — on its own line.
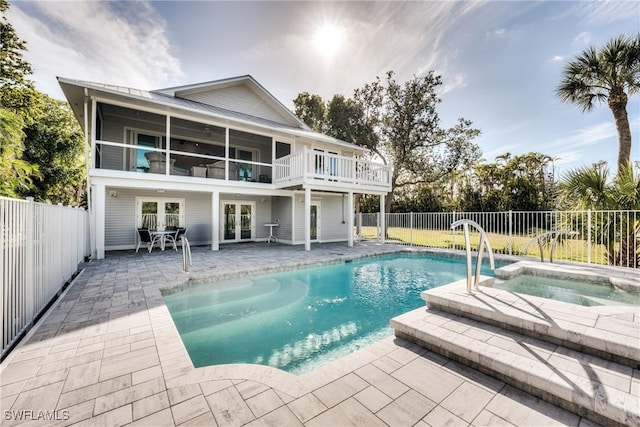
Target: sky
(500,61)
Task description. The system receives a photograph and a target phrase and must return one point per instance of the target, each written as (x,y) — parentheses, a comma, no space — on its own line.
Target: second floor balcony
(306,166)
(332,170)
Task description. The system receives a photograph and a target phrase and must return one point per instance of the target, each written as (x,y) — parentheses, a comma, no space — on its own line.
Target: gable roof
(237,93)
(74,91)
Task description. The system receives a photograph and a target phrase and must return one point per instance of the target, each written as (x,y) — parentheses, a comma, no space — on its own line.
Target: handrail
(186,255)
(483,240)
(554,241)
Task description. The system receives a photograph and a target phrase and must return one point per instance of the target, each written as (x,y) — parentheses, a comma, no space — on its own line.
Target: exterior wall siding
(331,214)
(238,98)
(281,211)
(120,221)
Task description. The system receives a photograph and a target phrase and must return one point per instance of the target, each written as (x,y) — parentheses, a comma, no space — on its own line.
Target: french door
(238,221)
(159,213)
(315,221)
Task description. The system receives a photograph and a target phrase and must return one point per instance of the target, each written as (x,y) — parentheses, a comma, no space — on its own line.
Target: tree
(407,131)
(54,142)
(522,182)
(310,108)
(591,188)
(17,93)
(610,74)
(15,173)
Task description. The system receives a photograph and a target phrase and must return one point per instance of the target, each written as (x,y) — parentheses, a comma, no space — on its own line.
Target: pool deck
(108,353)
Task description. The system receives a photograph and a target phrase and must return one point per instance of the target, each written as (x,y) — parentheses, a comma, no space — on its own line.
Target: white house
(221,158)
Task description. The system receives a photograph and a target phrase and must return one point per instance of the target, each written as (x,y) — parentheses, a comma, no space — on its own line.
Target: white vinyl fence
(40,248)
(598,237)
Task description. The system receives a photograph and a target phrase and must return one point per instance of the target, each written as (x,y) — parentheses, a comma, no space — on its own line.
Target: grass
(568,250)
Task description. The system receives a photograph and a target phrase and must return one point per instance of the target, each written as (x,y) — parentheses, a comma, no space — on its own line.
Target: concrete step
(609,332)
(603,391)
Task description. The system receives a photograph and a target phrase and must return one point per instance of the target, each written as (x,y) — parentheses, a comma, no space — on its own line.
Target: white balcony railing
(316,167)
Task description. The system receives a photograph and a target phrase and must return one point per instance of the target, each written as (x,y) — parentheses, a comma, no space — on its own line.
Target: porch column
(307,219)
(350,219)
(167,164)
(99,199)
(215,221)
(226,154)
(383,226)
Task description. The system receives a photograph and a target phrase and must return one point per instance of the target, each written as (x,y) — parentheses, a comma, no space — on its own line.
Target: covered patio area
(108,353)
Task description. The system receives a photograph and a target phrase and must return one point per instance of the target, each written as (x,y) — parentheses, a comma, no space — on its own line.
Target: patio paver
(109,354)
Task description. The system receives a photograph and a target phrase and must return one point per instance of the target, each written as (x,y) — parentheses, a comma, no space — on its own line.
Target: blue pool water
(300,319)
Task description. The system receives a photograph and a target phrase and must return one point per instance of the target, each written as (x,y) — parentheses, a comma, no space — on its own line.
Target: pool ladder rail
(484,240)
(186,255)
(550,238)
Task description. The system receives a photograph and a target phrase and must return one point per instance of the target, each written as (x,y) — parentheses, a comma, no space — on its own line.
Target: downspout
(86,163)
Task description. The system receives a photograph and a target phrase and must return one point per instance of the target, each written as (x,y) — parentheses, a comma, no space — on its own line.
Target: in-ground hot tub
(584,285)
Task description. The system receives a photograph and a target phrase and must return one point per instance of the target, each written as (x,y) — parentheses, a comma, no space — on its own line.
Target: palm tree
(590,188)
(610,74)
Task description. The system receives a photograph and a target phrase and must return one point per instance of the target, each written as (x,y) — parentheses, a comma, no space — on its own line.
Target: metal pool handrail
(483,240)
(554,236)
(186,255)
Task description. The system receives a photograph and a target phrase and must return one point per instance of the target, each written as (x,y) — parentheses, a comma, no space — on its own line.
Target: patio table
(271,236)
(163,235)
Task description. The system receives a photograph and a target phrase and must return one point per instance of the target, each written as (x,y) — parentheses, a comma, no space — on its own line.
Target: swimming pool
(300,319)
(572,291)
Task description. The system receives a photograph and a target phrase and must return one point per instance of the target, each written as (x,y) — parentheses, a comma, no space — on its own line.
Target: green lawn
(569,250)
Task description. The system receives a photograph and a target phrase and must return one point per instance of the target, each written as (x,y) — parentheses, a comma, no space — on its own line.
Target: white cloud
(606,12)
(582,39)
(118,43)
(459,80)
(557,58)
(584,138)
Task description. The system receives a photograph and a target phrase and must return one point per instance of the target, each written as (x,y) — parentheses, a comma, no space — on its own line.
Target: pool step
(609,332)
(602,391)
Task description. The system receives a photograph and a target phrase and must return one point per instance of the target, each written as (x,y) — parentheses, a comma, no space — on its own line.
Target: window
(245,170)
(142,164)
(282,149)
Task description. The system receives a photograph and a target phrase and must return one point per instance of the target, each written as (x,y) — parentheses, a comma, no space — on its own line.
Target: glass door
(229,222)
(315,221)
(238,221)
(159,213)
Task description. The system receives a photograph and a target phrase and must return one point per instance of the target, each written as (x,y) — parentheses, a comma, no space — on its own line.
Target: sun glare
(328,39)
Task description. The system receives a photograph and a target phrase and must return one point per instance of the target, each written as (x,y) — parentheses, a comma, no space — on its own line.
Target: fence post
(453,232)
(411,229)
(30,223)
(588,236)
(510,232)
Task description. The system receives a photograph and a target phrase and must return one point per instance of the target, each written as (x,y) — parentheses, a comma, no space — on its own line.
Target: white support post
(273,158)
(510,232)
(383,226)
(100,197)
(350,219)
(215,221)
(305,163)
(167,164)
(589,236)
(90,144)
(226,154)
(307,219)
(293,219)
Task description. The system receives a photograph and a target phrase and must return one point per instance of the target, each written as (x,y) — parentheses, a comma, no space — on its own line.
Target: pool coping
(580,328)
(148,327)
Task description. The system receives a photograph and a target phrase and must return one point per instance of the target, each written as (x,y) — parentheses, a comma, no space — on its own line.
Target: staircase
(584,359)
